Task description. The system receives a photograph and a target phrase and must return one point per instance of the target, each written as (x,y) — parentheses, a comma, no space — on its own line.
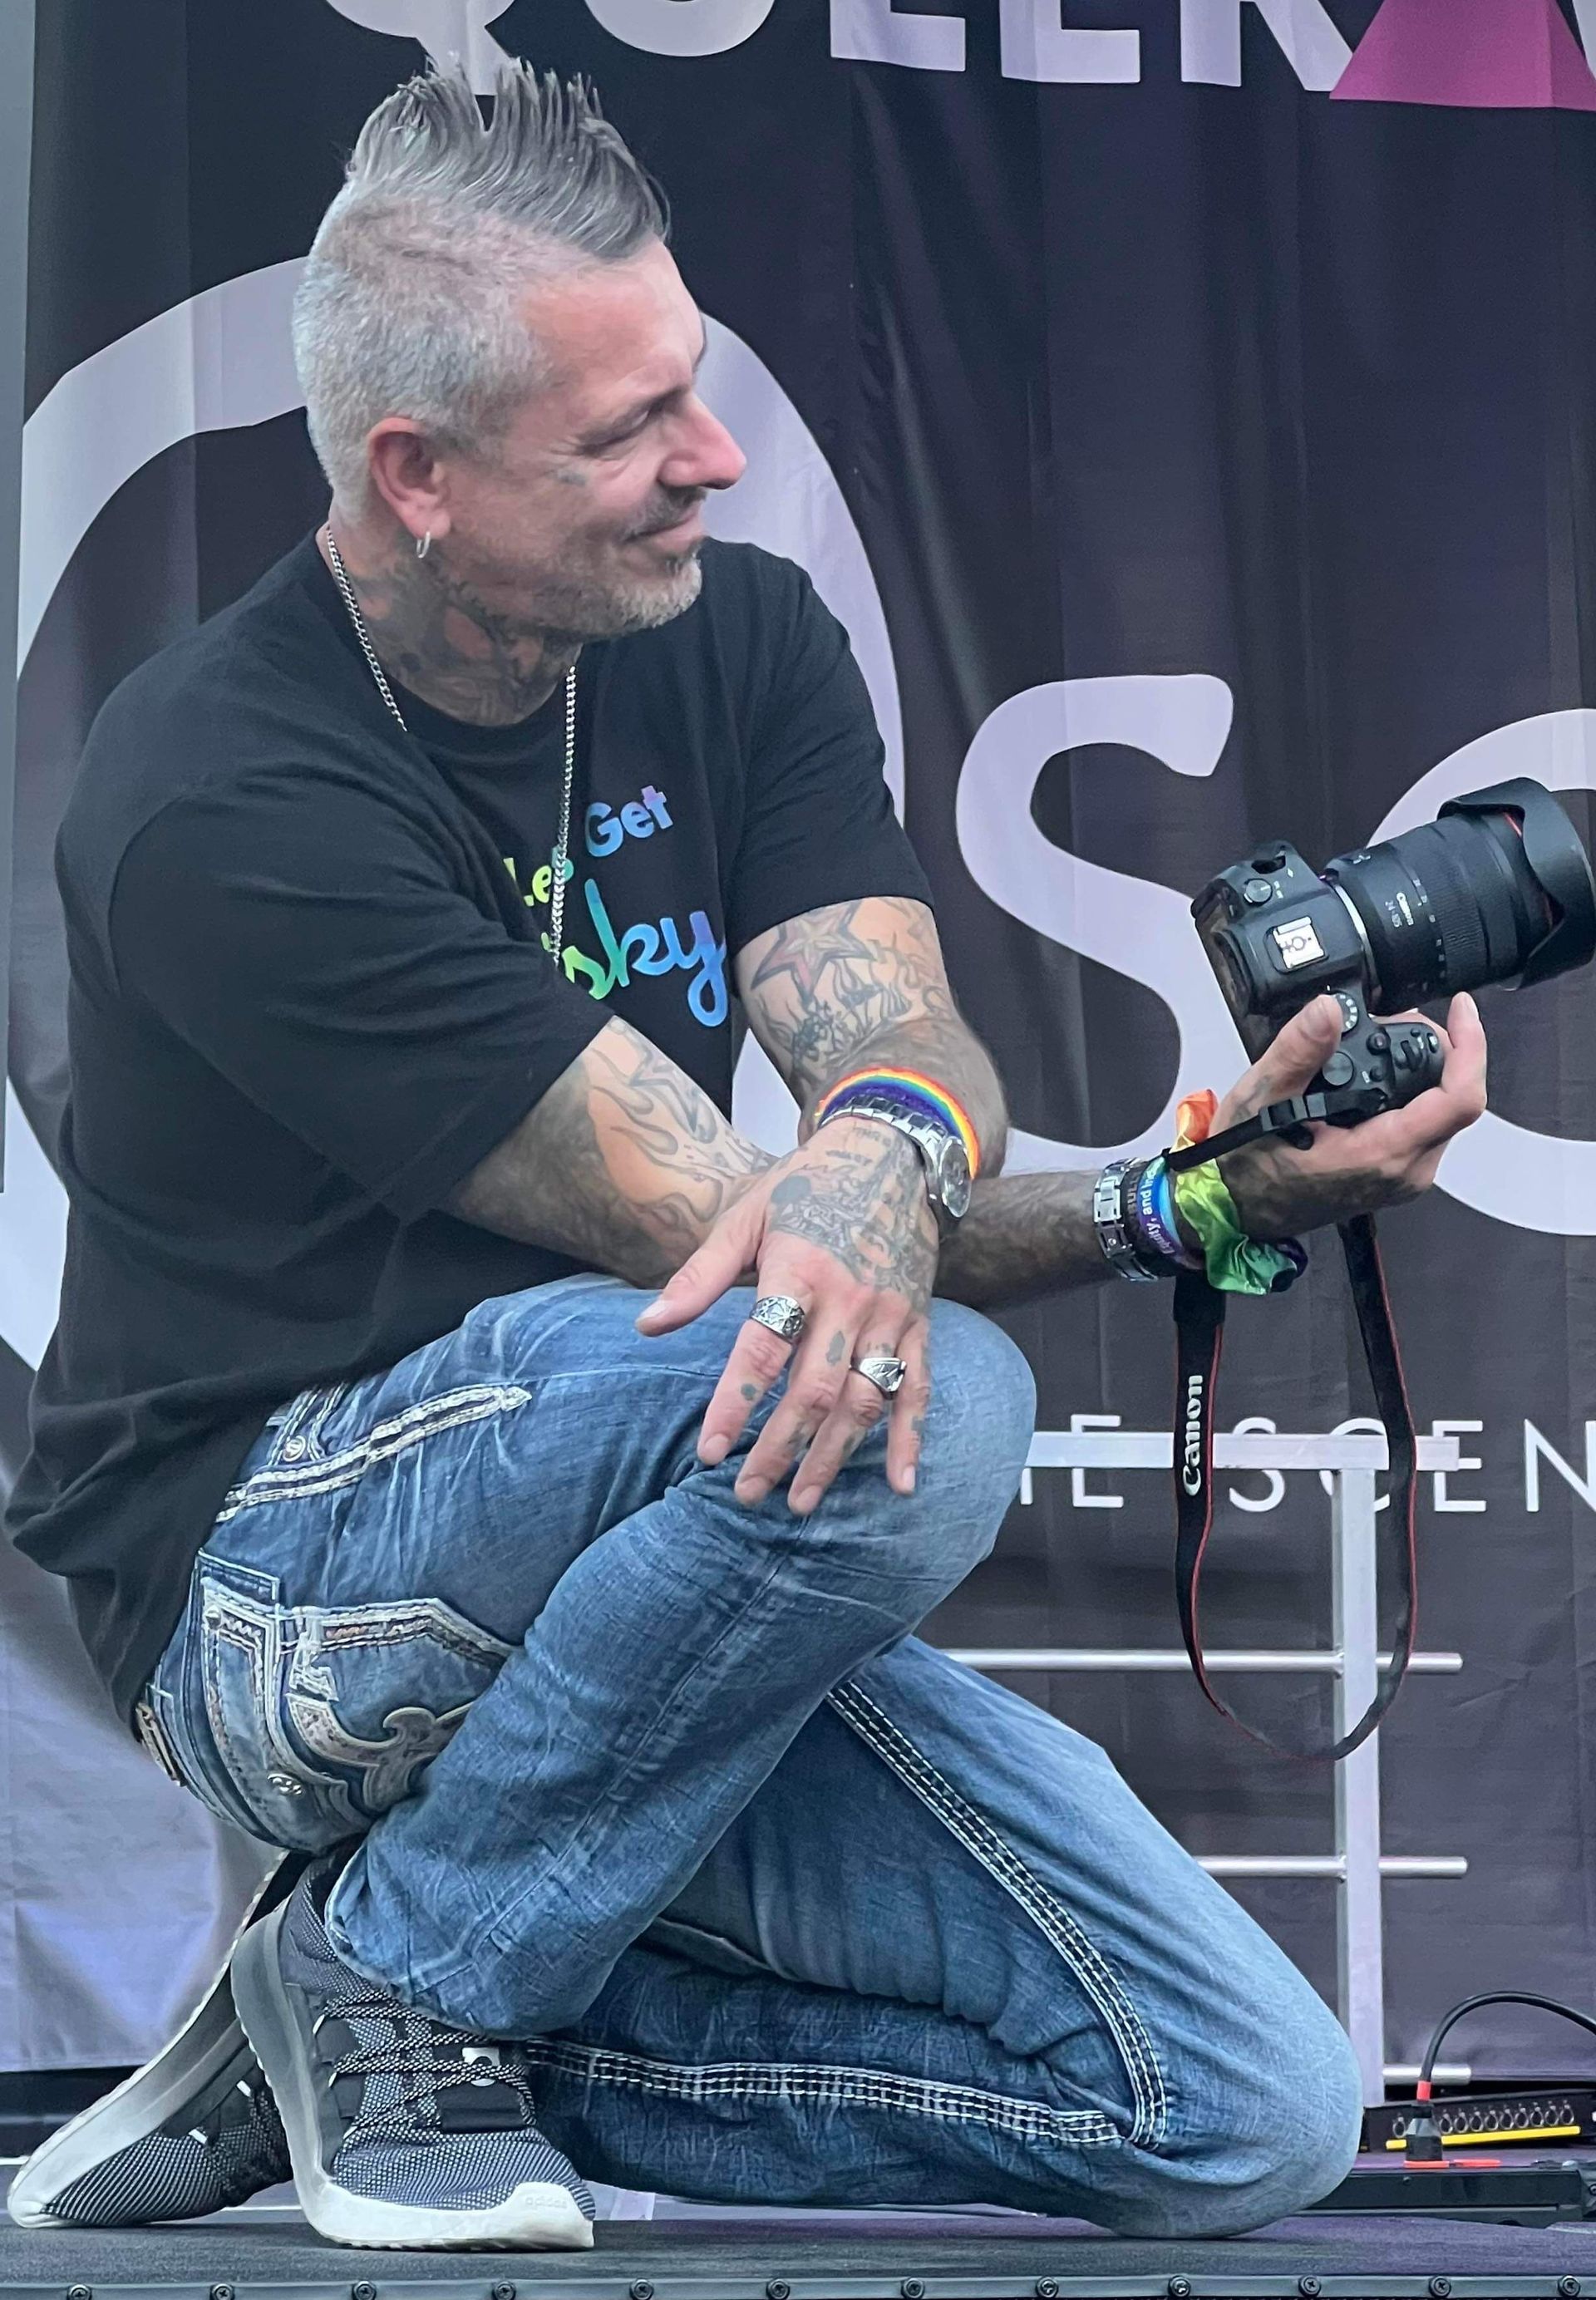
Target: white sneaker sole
(540,2216)
(139,2105)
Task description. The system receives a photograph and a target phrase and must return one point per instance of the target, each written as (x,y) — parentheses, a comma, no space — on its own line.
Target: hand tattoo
(867,1210)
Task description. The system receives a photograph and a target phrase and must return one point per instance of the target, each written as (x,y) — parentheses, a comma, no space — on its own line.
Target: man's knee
(1264,2136)
(982,1390)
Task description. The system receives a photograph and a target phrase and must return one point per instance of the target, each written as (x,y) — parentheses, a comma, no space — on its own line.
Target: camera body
(1277,935)
(1498,888)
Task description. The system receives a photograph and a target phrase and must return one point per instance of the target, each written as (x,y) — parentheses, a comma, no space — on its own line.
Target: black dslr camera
(1497,889)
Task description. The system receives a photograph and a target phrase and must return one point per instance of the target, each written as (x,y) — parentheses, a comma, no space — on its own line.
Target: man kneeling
(566,1628)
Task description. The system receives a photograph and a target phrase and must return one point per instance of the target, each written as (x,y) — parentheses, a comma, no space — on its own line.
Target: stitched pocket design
(325,1716)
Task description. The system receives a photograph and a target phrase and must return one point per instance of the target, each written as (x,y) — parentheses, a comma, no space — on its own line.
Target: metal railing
(1355,1863)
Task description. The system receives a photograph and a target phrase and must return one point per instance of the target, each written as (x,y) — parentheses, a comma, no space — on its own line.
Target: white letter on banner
(1079,1497)
(1453,1502)
(1211,40)
(875,32)
(1037,46)
(1138,928)
(682,28)
(449,29)
(1535,1446)
(1274,1484)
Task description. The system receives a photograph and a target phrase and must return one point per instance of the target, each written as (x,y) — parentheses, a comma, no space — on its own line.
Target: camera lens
(1499,887)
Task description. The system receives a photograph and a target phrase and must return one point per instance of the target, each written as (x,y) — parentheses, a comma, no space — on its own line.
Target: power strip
(1526,2118)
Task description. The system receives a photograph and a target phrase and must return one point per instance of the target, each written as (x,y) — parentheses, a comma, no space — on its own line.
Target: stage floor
(842,2256)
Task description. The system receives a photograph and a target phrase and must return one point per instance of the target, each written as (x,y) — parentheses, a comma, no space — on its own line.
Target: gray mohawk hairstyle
(406,303)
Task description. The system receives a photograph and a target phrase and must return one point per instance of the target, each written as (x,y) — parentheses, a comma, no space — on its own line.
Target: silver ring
(886,1373)
(780,1314)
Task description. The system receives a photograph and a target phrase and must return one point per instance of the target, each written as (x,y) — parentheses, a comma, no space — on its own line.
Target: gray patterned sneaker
(192,2131)
(403,2132)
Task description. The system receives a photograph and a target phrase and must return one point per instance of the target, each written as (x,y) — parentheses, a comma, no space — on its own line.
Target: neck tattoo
(561,864)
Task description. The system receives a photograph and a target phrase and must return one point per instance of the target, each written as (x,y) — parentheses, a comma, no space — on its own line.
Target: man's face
(584,517)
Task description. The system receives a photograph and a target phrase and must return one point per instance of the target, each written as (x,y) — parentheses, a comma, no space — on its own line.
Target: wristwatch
(942,1153)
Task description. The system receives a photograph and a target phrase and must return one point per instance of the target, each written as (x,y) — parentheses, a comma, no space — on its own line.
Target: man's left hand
(1349,1170)
(844,1228)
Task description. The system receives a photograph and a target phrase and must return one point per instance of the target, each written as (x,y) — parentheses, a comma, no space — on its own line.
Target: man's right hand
(1349,1170)
(844,1227)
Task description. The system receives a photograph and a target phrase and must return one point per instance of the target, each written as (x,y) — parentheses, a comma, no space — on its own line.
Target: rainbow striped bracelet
(911,1087)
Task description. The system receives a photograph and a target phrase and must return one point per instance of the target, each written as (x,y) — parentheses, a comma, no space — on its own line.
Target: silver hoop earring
(424,546)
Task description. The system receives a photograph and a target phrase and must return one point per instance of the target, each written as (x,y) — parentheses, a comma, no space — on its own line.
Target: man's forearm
(1025,1235)
(624,1164)
(860,986)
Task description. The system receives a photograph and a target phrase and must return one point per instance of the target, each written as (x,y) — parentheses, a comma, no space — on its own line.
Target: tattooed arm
(624,1163)
(845,1226)
(1025,1235)
(862,985)
(1031,1234)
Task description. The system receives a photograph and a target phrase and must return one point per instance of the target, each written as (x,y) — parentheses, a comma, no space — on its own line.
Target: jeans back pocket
(324,1717)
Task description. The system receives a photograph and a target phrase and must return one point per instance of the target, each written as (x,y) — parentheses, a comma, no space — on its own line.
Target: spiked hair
(406,303)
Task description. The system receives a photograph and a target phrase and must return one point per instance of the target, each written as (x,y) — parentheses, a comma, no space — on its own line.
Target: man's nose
(707,457)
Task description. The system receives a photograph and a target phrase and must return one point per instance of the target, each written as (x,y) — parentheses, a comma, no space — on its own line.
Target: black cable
(1492,1996)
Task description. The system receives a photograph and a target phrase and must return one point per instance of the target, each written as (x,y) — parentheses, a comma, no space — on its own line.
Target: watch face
(955,1179)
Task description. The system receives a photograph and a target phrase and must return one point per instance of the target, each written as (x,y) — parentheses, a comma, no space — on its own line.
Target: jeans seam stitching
(869,2088)
(255,1648)
(384,1443)
(1052,1919)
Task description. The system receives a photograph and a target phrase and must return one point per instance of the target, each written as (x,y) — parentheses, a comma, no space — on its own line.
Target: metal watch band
(1114,1234)
(935,1142)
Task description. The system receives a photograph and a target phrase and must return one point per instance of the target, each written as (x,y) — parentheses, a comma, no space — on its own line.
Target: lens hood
(1561,867)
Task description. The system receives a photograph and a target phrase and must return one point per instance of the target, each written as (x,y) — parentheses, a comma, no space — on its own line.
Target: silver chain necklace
(561,866)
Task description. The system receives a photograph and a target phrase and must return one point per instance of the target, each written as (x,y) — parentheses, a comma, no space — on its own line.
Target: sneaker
(192,2131)
(403,2132)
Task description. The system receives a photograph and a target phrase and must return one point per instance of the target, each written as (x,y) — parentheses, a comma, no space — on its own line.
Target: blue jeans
(788,1906)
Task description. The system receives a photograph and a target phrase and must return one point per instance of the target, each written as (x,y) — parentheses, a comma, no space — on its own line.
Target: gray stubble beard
(645,607)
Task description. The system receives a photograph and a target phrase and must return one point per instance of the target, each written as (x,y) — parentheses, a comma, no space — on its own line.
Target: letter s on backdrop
(1137,928)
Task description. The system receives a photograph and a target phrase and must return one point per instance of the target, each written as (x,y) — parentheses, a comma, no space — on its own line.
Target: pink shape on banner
(1507,55)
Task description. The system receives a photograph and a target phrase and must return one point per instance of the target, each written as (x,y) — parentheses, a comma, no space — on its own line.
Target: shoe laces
(418,2056)
(223,2117)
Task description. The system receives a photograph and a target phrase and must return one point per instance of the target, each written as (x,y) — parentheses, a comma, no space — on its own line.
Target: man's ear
(408,476)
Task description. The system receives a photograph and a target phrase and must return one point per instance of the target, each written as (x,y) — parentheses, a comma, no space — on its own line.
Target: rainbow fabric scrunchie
(1234,1263)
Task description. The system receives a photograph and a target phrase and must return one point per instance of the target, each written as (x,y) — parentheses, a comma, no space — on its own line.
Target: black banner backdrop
(1215,407)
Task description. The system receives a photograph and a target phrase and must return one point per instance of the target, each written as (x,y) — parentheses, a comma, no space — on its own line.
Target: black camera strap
(1285,1118)
(1199,1327)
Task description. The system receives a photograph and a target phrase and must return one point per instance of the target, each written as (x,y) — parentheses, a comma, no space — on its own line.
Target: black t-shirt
(309,992)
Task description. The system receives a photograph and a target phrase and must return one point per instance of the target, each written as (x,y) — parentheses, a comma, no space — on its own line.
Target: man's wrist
(1188,1236)
(938,1149)
(871,1134)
